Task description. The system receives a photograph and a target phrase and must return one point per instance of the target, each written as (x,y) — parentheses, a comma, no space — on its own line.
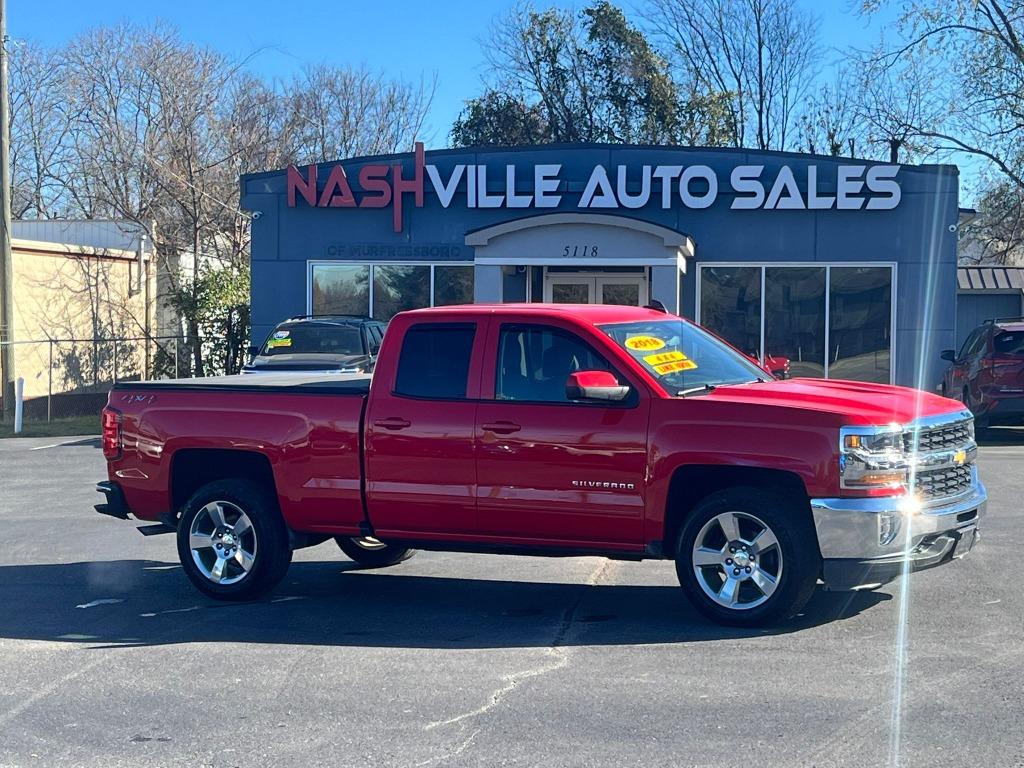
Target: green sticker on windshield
(273,343)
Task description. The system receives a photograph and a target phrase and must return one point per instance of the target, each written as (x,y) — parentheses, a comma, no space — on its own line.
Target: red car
(987,375)
(552,430)
(775,365)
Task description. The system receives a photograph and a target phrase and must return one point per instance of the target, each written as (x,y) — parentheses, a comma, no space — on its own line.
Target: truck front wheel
(232,541)
(372,552)
(748,557)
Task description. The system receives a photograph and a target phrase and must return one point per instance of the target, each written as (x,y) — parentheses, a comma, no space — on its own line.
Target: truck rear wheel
(372,552)
(232,542)
(748,557)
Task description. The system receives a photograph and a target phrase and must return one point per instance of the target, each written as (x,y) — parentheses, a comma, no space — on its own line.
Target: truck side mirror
(948,354)
(253,350)
(594,385)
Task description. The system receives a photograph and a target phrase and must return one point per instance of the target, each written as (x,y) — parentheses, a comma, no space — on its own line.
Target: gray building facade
(846,268)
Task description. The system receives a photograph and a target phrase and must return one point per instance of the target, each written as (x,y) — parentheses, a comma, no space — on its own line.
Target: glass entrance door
(630,290)
(570,290)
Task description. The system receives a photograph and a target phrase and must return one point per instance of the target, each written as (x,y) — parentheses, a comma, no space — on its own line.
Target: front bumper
(849,534)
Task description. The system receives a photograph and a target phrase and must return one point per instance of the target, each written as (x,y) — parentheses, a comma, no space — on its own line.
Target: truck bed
(311,443)
(291,383)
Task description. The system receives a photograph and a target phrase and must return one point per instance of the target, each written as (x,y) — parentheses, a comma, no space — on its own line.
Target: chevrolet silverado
(563,430)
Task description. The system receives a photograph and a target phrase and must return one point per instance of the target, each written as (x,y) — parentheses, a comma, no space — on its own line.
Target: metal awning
(977,279)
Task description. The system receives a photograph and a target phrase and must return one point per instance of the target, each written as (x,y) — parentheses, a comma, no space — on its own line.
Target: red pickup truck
(552,430)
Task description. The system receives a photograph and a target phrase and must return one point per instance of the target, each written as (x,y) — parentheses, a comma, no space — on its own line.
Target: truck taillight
(111,422)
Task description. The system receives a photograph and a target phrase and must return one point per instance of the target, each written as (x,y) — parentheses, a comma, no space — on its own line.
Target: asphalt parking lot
(109,658)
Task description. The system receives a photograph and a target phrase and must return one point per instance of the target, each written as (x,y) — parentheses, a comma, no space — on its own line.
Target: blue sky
(402,37)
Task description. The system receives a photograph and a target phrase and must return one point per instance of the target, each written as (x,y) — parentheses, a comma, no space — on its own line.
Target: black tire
(378,555)
(271,550)
(789,519)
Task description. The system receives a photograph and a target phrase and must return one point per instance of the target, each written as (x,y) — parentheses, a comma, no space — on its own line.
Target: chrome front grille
(940,438)
(941,483)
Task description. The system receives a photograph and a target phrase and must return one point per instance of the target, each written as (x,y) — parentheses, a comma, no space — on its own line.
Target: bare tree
(996,236)
(134,123)
(831,125)
(971,53)
(559,75)
(337,112)
(41,124)
(895,102)
(541,55)
(762,53)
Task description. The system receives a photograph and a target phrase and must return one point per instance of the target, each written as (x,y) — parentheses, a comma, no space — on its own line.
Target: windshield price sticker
(678,365)
(664,357)
(644,343)
(285,342)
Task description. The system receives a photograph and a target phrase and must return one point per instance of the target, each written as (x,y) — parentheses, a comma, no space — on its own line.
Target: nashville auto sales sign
(694,186)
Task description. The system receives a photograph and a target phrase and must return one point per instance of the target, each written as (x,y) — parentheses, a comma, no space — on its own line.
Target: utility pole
(6,266)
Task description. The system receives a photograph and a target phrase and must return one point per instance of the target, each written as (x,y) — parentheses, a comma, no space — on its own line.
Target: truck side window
(434,361)
(535,361)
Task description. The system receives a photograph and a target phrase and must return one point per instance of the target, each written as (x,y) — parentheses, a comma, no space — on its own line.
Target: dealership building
(845,267)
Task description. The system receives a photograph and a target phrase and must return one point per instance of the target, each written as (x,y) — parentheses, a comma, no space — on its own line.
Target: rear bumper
(1002,406)
(115,504)
(850,536)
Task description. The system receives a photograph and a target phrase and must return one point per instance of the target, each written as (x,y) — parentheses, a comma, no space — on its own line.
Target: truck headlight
(872,457)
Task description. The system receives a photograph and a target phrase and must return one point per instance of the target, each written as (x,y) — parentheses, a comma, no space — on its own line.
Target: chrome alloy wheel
(737,560)
(223,542)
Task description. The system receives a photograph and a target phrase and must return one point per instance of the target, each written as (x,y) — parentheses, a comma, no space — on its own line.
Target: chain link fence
(67,378)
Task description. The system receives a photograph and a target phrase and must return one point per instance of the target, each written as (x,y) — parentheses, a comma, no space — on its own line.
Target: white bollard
(19,403)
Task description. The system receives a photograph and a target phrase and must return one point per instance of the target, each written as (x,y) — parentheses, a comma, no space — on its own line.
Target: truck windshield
(683,357)
(312,339)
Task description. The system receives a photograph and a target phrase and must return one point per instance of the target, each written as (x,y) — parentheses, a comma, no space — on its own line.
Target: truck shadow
(1002,436)
(143,603)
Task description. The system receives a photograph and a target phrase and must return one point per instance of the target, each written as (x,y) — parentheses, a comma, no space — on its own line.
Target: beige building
(84,305)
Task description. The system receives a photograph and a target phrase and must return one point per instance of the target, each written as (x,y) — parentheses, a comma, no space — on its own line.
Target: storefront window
(453,285)
(860,312)
(857,301)
(794,318)
(341,289)
(397,288)
(730,305)
(393,288)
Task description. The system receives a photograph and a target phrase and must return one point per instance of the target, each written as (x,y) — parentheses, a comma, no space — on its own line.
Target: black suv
(319,343)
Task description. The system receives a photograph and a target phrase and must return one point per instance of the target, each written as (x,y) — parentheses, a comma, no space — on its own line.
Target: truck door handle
(394,422)
(501,427)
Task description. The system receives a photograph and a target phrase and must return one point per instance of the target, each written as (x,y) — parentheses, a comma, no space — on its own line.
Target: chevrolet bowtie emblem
(960,457)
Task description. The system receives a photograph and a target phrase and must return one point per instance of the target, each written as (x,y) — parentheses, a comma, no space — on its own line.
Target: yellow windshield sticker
(279,343)
(678,365)
(664,357)
(644,343)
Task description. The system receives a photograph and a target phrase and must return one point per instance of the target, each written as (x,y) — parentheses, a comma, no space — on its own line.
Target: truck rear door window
(434,361)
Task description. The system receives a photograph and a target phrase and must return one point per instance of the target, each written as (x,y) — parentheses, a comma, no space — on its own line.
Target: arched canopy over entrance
(588,257)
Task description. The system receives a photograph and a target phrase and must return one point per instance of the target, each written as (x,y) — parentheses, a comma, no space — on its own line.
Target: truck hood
(857,402)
